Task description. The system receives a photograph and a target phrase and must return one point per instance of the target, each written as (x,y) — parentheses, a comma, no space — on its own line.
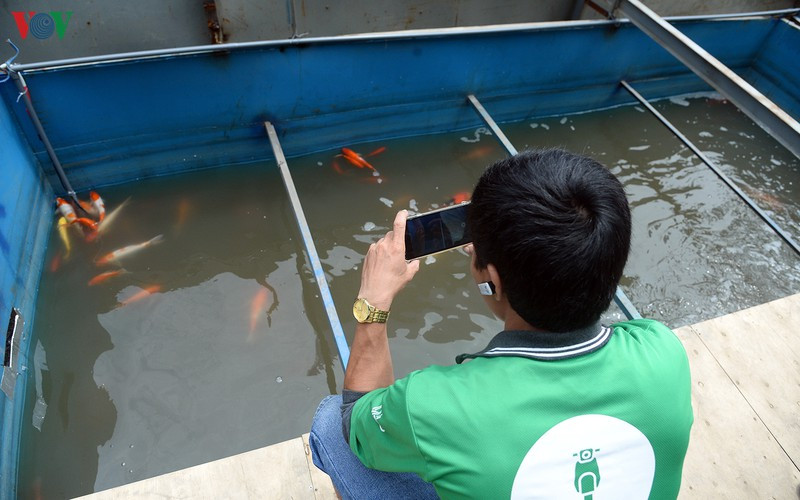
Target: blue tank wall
(120,121)
(775,70)
(26,216)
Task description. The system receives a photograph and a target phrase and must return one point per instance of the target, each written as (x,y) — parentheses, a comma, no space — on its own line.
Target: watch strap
(378,316)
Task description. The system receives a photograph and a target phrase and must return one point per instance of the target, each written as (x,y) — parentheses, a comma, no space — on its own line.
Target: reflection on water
(227,348)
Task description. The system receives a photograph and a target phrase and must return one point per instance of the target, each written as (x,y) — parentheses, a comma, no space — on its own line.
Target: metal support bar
(780,232)
(19,81)
(753,103)
(620,298)
(311,249)
(362,37)
(489,121)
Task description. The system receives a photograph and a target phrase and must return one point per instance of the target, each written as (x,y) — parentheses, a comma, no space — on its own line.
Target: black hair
(557,226)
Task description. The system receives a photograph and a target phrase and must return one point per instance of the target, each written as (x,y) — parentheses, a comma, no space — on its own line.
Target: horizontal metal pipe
(622,300)
(368,37)
(772,224)
(311,249)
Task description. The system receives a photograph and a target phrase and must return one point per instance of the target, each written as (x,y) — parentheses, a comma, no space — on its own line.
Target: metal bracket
(6,66)
(11,353)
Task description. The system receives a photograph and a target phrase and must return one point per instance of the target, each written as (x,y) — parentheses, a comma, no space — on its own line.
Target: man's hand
(385,271)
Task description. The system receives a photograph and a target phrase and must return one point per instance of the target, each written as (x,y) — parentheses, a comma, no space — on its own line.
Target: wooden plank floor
(745,440)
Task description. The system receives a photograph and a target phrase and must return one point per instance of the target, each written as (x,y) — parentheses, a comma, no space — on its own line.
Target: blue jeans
(332,455)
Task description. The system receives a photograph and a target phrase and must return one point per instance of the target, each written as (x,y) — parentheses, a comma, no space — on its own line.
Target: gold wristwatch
(367,313)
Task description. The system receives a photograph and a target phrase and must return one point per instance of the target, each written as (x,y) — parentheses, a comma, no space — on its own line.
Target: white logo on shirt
(377,413)
(588,456)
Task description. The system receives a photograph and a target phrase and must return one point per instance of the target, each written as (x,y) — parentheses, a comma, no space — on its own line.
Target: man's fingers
(399,231)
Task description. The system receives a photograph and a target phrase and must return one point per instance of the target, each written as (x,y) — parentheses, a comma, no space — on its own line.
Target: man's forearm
(384,273)
(370,364)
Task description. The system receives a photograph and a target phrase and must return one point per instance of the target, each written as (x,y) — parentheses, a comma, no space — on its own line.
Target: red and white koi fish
(144,292)
(98,206)
(66,211)
(102,277)
(109,219)
(128,250)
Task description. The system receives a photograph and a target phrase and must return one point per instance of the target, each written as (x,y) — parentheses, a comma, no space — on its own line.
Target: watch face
(360,310)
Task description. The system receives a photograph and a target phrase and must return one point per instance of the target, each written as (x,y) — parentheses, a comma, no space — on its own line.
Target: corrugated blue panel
(120,121)
(26,201)
(776,71)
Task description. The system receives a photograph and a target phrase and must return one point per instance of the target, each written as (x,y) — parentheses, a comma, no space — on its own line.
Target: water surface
(233,350)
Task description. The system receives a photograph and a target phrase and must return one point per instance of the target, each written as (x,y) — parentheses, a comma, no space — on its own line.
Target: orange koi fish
(128,250)
(461,197)
(377,151)
(183,212)
(66,211)
(356,159)
(145,292)
(336,167)
(477,153)
(102,277)
(55,263)
(257,308)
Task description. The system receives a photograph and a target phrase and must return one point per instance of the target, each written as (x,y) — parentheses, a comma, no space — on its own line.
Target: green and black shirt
(593,414)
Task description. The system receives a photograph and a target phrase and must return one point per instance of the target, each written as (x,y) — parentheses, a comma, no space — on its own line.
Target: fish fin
(157,239)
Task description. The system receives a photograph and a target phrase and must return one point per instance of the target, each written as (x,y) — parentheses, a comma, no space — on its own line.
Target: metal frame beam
(368,37)
(772,224)
(753,103)
(620,298)
(311,249)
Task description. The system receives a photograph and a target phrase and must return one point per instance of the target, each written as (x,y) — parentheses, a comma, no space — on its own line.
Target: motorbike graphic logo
(587,473)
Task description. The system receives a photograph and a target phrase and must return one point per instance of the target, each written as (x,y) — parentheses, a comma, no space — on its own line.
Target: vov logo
(42,25)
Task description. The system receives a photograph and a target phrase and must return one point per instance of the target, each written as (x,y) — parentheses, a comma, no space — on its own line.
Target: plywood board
(323,488)
(731,452)
(759,348)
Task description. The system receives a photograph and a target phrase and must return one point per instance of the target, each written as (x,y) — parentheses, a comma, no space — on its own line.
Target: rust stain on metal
(214,27)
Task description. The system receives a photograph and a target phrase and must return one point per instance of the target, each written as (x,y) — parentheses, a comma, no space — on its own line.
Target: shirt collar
(545,346)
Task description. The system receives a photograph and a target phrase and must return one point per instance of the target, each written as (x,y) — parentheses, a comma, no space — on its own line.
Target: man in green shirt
(557,405)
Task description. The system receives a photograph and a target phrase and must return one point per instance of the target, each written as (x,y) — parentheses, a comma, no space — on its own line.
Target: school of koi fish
(98,221)
(91,228)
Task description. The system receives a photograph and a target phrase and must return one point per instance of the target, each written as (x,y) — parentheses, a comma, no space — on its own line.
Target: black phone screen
(437,231)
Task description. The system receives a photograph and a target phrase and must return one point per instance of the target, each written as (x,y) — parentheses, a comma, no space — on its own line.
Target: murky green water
(698,251)
(233,351)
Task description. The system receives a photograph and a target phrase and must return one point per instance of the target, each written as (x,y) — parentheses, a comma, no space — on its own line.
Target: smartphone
(437,231)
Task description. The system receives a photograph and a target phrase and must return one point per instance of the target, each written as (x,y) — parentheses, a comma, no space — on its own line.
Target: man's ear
(495,278)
